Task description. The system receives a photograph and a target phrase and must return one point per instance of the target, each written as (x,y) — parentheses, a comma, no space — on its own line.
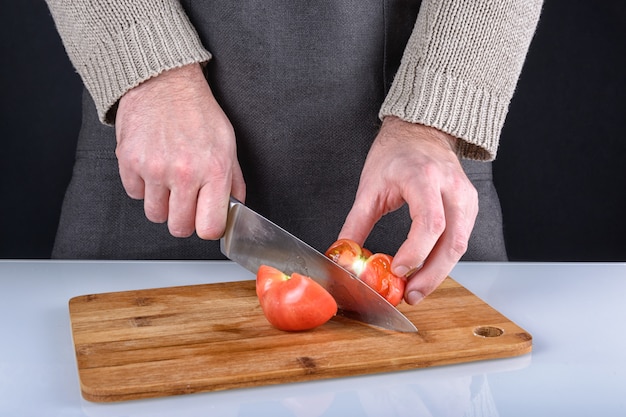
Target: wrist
(185,84)
(421,132)
(171,77)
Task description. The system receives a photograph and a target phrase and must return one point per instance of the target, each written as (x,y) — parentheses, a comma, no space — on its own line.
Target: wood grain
(169,341)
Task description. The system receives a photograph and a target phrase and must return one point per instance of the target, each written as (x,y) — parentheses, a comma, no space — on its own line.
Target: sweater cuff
(158,42)
(462,110)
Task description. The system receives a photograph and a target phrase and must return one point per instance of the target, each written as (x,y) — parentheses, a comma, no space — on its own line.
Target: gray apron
(302,83)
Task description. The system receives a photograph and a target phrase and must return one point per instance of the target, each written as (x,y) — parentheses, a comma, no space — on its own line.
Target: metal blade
(251,240)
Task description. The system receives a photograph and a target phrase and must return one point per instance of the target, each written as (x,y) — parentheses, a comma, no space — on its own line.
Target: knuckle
(431,223)
(459,244)
(133,186)
(221,168)
(183,174)
(460,183)
(434,223)
(429,170)
(126,158)
(154,170)
(458,248)
(155,214)
(134,191)
(437,223)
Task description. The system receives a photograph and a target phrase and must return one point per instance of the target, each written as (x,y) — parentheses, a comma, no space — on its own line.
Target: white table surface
(575,312)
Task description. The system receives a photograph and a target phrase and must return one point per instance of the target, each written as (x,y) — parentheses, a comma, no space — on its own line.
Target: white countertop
(575,312)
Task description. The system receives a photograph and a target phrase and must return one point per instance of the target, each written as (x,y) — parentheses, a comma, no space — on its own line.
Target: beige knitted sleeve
(460,69)
(115,45)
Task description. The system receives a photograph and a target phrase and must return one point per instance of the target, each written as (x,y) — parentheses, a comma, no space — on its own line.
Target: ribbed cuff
(156,43)
(418,95)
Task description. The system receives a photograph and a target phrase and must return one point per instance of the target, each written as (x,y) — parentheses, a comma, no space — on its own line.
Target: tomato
(293,302)
(373,269)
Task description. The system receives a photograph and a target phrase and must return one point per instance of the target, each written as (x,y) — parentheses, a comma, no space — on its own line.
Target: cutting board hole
(488,331)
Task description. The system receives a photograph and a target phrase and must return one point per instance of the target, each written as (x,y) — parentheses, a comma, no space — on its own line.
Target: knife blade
(251,240)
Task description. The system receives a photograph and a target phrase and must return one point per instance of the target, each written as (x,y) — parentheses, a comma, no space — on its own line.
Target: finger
(428,223)
(433,272)
(133,184)
(212,213)
(182,211)
(448,250)
(360,220)
(423,282)
(156,203)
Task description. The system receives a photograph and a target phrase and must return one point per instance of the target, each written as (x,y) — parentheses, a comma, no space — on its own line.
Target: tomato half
(293,302)
(373,269)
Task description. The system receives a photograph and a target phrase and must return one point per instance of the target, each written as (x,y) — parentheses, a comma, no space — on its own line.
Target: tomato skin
(349,255)
(373,269)
(293,303)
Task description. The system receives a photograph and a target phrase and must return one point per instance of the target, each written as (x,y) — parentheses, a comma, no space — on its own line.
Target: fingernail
(404,271)
(401,271)
(414,297)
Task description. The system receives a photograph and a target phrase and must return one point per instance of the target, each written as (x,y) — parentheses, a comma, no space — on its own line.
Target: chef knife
(251,240)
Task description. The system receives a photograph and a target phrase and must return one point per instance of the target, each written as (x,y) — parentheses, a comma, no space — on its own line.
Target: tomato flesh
(373,269)
(293,302)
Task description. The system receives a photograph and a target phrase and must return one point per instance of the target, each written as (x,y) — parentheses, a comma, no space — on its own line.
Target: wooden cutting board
(169,341)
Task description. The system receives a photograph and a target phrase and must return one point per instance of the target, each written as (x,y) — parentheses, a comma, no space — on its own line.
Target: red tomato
(295,302)
(373,269)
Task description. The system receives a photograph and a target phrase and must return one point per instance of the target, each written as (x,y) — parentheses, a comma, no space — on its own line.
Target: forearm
(460,69)
(116,45)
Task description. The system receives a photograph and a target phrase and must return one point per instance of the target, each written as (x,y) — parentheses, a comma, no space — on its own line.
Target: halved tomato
(293,302)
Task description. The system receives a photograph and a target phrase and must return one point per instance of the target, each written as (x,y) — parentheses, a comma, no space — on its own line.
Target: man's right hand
(176,150)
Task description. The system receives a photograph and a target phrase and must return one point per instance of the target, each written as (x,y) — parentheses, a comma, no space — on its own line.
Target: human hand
(418,165)
(176,150)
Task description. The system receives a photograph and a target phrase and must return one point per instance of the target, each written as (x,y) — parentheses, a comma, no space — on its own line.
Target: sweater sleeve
(116,45)
(460,68)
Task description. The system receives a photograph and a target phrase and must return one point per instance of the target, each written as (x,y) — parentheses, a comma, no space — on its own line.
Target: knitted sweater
(458,73)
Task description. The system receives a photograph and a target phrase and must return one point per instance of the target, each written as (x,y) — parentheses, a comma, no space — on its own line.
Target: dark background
(560,170)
